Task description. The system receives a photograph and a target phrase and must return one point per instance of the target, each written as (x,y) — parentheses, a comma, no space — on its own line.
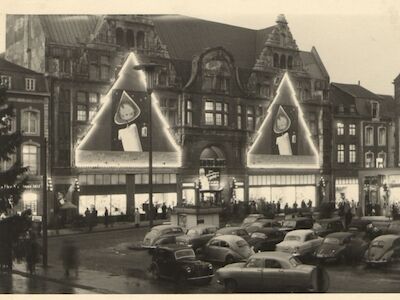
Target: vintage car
(179,263)
(161,234)
(262,223)
(251,219)
(234,231)
(364,228)
(341,247)
(383,250)
(300,242)
(265,239)
(226,249)
(296,223)
(323,227)
(380,222)
(273,271)
(394,228)
(197,236)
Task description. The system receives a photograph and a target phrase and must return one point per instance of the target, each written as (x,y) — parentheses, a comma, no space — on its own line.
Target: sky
(357,40)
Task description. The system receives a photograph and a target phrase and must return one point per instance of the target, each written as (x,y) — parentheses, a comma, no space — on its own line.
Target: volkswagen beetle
(265,239)
(272,270)
(197,236)
(251,219)
(262,223)
(234,231)
(383,250)
(161,234)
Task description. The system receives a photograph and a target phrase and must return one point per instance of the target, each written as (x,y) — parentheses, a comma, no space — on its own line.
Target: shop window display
(116,204)
(141,200)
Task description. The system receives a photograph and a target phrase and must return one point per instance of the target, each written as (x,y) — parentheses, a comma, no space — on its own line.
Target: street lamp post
(45,194)
(150,70)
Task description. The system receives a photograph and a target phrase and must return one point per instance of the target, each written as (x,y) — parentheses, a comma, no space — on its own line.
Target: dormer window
(30,84)
(216,76)
(6,81)
(374,110)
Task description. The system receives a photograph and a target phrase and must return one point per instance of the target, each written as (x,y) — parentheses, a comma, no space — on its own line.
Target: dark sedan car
(323,227)
(262,223)
(180,264)
(341,247)
(265,239)
(197,236)
(296,223)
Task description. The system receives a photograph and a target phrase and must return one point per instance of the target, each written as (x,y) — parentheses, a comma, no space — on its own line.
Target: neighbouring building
(364,145)
(215,91)
(28,94)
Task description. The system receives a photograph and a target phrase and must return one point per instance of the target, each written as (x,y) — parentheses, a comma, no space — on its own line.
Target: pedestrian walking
(70,257)
(87,219)
(105,217)
(32,252)
(164,211)
(137,218)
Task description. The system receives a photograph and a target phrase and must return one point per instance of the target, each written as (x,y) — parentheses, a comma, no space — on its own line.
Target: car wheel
(230,285)
(154,272)
(229,260)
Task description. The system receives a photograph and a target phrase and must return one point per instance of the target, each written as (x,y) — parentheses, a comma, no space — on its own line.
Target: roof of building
(5,65)
(356,91)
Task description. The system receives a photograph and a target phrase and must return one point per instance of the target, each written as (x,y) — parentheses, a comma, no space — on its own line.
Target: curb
(60,281)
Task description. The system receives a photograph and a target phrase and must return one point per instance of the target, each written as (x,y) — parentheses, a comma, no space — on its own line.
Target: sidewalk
(101,228)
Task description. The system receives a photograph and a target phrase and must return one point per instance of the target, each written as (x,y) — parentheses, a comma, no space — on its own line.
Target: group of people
(91,217)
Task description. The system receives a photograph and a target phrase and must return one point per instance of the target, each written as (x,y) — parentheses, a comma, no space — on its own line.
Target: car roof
(387,237)
(228,238)
(339,235)
(272,254)
(265,220)
(267,230)
(255,215)
(203,226)
(300,232)
(173,247)
(228,229)
(360,221)
(162,227)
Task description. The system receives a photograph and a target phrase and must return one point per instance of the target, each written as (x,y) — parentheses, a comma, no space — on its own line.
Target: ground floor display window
(141,200)
(29,200)
(283,194)
(115,204)
(189,197)
(347,186)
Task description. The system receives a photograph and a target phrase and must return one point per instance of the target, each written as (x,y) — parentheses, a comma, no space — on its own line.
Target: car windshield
(241,244)
(319,226)
(194,231)
(294,261)
(186,253)
(378,244)
(258,235)
(333,241)
(292,238)
(289,223)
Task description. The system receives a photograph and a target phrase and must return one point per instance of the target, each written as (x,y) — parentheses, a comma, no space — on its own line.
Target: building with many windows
(214,91)
(364,144)
(28,94)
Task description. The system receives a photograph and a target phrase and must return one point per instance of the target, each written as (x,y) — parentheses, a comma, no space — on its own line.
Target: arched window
(290,62)
(381,160)
(216,76)
(130,38)
(283,61)
(369,136)
(30,122)
(212,157)
(140,39)
(369,159)
(276,60)
(30,157)
(382,136)
(119,35)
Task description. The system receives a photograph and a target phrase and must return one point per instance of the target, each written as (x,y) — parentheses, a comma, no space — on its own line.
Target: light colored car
(272,270)
(383,250)
(234,231)
(262,223)
(197,236)
(226,249)
(300,242)
(161,235)
(250,219)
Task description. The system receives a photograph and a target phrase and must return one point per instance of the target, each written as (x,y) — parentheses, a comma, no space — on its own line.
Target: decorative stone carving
(252,83)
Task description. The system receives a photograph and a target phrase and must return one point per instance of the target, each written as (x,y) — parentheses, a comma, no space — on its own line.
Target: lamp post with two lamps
(151,71)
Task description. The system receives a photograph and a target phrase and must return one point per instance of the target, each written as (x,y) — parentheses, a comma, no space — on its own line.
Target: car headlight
(333,251)
(210,266)
(296,249)
(188,269)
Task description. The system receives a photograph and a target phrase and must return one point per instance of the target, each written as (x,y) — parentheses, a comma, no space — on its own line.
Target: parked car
(300,242)
(383,250)
(197,236)
(265,239)
(179,263)
(226,249)
(273,270)
(341,247)
(394,228)
(234,231)
(380,222)
(365,229)
(251,219)
(161,234)
(323,227)
(296,223)
(262,223)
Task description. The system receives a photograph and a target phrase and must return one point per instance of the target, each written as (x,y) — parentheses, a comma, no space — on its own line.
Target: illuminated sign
(117,137)
(284,140)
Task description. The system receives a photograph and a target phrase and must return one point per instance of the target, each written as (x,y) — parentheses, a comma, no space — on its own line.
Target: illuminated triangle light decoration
(284,139)
(124,111)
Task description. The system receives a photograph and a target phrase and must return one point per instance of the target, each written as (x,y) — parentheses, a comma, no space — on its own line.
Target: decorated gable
(119,136)
(283,140)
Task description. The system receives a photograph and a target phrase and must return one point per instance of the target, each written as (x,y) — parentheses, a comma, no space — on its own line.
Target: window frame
(38,127)
(7,78)
(188,112)
(30,84)
(380,143)
(219,112)
(250,115)
(384,159)
(340,128)
(352,153)
(352,131)
(37,146)
(340,153)
(371,143)
(372,160)
(377,110)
